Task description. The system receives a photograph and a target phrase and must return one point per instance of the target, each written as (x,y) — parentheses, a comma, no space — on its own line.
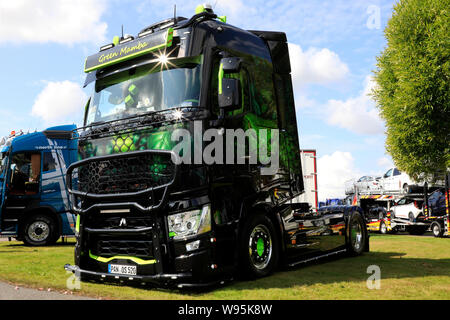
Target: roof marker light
(107,46)
(127,38)
(145,33)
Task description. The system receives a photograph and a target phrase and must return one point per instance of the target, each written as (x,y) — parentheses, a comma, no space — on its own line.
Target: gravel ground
(11,292)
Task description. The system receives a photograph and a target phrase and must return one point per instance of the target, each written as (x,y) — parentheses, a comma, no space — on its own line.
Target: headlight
(189,223)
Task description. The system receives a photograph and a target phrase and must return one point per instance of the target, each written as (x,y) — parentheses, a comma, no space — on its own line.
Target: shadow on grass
(393,265)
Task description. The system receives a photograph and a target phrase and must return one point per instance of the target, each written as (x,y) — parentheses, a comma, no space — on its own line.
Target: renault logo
(123,222)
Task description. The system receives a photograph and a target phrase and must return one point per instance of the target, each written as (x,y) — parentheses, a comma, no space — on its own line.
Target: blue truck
(34,205)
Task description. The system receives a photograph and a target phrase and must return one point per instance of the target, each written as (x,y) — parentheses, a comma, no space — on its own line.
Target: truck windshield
(153,87)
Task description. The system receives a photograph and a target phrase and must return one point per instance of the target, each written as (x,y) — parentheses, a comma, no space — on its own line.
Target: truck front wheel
(258,247)
(39,230)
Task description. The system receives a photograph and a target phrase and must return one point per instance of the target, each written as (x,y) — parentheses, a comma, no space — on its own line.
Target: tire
(357,235)
(405,189)
(383,228)
(258,247)
(40,230)
(411,217)
(380,216)
(437,229)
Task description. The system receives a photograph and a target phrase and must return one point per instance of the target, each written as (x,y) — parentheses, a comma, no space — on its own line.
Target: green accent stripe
(169,37)
(134,259)
(220,78)
(77,225)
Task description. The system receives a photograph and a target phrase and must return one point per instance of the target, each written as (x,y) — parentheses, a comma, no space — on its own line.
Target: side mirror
(229,89)
(231,64)
(230,95)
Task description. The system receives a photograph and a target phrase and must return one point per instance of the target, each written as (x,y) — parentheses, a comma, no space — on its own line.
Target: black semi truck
(150,211)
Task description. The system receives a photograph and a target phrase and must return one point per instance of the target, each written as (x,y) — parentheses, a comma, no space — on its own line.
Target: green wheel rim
(260,247)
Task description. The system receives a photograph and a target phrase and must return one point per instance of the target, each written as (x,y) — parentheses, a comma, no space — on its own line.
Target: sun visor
(129,50)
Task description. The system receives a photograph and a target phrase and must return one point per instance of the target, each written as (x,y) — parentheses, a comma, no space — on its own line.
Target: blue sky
(333,47)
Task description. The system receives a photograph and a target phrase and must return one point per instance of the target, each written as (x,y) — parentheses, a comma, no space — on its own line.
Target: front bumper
(180,280)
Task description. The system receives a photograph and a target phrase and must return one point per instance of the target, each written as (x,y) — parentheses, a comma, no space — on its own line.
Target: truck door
(23,181)
(54,192)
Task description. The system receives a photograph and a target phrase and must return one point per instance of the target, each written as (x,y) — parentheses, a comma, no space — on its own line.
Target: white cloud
(59,21)
(60,103)
(385,163)
(320,66)
(357,114)
(332,172)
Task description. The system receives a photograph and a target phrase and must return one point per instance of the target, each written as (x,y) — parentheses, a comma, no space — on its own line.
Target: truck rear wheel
(258,247)
(39,230)
(437,229)
(357,234)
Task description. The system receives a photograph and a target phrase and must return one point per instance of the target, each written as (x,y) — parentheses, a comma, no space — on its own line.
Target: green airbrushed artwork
(259,111)
(125,143)
(159,139)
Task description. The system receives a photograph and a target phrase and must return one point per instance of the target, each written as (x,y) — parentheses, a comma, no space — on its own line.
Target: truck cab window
(3,162)
(25,173)
(48,163)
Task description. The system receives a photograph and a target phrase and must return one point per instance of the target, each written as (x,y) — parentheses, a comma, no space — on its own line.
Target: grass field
(412,267)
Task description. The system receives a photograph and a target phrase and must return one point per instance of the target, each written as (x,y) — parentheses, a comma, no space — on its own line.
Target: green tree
(413,77)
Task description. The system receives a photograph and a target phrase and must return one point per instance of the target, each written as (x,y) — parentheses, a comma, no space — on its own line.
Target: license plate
(122,269)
